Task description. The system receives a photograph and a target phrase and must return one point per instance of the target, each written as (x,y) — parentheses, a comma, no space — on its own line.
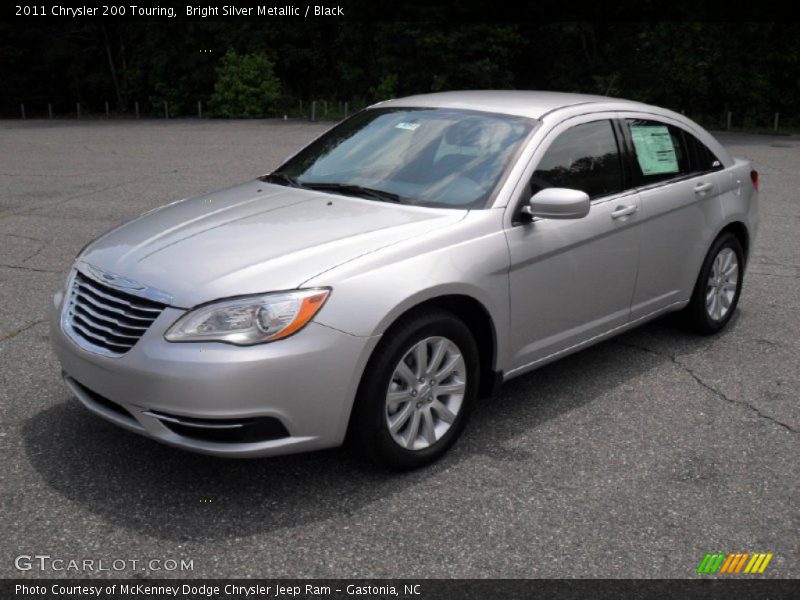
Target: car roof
(539,104)
(532,104)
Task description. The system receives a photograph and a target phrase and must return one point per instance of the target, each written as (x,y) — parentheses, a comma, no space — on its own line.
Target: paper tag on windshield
(407,126)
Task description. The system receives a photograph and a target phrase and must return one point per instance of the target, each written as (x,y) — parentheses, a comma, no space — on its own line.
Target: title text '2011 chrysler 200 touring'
(399,267)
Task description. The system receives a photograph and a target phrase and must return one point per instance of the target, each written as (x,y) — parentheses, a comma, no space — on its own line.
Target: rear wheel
(718,286)
(417,391)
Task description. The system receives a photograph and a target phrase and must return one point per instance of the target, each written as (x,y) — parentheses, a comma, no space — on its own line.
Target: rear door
(675,176)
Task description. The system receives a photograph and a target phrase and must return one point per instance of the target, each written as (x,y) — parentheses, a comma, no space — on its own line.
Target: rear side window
(660,151)
(585,157)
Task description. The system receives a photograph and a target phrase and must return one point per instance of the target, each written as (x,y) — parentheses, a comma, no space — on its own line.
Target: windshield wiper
(281,179)
(355,190)
(344,188)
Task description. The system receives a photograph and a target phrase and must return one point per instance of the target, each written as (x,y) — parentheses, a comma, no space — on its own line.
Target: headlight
(249,320)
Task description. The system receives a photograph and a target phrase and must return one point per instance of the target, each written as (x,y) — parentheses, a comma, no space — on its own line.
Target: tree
(246,86)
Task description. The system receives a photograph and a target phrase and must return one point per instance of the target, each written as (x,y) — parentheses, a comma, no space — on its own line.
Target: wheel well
(739,229)
(477,319)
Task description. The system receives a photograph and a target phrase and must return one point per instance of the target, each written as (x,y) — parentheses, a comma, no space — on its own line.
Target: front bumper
(292,395)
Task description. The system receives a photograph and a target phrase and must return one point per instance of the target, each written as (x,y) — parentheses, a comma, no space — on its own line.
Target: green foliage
(432,57)
(247,69)
(387,88)
(246,86)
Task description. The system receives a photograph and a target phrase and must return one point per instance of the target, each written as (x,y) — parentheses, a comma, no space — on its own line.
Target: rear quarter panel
(736,202)
(740,200)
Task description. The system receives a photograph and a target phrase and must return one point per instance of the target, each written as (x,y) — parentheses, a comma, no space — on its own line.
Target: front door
(573,280)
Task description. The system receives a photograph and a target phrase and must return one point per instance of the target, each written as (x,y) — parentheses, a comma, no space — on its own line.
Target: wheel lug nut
(414,393)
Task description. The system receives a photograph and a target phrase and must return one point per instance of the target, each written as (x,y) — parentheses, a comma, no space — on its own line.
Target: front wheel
(417,391)
(718,286)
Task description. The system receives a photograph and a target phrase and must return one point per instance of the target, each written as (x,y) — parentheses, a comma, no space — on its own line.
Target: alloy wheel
(722,283)
(425,393)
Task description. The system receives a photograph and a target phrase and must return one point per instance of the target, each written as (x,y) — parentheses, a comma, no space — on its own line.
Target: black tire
(369,431)
(696,315)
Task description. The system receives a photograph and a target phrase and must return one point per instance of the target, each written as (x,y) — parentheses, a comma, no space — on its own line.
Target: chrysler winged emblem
(124,283)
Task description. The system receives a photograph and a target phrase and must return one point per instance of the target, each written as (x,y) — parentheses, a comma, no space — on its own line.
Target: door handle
(702,188)
(623,211)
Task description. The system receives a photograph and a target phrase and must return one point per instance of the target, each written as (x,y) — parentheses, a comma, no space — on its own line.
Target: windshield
(429,157)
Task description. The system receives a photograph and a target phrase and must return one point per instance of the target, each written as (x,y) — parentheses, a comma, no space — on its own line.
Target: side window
(585,157)
(660,149)
(703,159)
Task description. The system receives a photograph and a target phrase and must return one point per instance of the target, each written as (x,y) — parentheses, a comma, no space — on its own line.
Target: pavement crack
(708,386)
(781,275)
(41,245)
(12,334)
(23,268)
(776,263)
(22,237)
(35,254)
(62,201)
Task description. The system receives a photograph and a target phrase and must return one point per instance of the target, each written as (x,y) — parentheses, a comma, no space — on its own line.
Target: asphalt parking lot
(630,459)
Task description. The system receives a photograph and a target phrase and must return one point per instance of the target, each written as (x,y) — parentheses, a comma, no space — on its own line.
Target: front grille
(105,318)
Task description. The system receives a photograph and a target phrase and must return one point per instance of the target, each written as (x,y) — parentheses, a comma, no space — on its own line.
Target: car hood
(253,238)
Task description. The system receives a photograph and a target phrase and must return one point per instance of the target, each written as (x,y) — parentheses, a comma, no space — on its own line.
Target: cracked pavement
(709,387)
(630,459)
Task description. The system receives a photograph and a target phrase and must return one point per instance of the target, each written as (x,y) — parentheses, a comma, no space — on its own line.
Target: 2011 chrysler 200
(400,266)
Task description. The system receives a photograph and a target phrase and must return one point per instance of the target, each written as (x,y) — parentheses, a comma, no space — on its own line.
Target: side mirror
(558,203)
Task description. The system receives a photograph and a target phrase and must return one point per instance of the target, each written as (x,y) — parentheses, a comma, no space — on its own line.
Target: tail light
(754,179)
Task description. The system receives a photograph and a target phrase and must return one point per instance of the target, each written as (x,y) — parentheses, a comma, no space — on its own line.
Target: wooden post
(346,109)
(313,110)
(729,119)
(78,109)
(166,110)
(22,110)
(136,108)
(50,110)
(775,127)
(199,109)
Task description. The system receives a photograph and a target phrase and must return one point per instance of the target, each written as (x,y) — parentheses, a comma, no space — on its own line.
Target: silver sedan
(401,267)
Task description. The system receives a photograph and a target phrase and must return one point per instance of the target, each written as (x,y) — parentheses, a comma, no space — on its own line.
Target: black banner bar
(401,589)
(449,11)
